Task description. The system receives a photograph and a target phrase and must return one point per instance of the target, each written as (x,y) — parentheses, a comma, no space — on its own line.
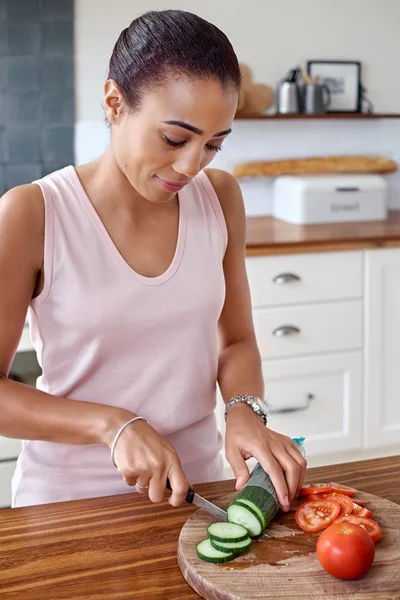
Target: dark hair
(160,44)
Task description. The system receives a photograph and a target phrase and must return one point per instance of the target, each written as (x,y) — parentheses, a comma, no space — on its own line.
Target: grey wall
(36,89)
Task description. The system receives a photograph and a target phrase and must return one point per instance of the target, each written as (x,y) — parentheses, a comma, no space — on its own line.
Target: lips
(171,186)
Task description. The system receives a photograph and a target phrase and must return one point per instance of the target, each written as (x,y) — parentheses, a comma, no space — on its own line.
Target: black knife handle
(190,495)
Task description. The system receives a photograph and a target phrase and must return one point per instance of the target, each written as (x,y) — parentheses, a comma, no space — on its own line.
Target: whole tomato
(345,550)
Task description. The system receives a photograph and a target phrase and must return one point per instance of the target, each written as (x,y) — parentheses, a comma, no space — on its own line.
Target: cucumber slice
(252,510)
(243,515)
(205,551)
(253,507)
(235,547)
(227,532)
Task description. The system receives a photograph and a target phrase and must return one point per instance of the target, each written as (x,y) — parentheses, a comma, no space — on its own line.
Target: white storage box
(330,198)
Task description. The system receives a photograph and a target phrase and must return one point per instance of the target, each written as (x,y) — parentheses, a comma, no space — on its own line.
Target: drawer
(308,329)
(319,398)
(301,278)
(6,474)
(9,448)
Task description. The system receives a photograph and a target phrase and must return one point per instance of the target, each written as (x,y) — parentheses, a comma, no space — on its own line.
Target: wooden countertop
(266,235)
(123,547)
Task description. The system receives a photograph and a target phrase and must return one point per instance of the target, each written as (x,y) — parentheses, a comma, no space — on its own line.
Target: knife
(193,498)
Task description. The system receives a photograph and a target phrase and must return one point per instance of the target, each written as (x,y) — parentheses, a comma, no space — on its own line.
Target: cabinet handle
(285,330)
(286,278)
(288,409)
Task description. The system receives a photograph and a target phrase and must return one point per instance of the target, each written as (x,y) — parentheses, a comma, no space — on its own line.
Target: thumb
(238,466)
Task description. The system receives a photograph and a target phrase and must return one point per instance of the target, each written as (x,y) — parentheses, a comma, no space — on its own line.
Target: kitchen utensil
(193,498)
(317,98)
(288,95)
(287,568)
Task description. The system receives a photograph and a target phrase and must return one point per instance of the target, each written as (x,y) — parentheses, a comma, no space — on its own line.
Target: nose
(188,163)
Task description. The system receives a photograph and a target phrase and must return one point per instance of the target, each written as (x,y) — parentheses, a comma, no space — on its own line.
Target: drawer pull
(285,330)
(285,278)
(288,409)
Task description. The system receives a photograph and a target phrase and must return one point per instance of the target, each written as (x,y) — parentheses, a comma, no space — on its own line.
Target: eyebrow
(196,130)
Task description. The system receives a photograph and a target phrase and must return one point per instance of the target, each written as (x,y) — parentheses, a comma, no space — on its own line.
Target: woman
(133,270)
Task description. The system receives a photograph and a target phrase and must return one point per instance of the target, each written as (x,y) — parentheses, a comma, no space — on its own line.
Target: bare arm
(239,359)
(27,413)
(240,369)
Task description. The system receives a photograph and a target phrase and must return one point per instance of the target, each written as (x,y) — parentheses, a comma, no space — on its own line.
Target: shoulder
(22,215)
(23,201)
(230,197)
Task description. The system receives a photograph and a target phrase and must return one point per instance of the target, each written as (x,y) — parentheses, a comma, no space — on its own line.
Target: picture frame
(343,78)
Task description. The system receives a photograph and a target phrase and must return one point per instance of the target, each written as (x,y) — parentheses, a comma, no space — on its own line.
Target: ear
(113,101)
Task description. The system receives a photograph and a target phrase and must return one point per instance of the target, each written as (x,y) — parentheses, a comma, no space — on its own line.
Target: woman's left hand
(247,436)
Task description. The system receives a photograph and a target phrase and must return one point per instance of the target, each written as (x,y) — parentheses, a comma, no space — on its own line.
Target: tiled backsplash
(36,89)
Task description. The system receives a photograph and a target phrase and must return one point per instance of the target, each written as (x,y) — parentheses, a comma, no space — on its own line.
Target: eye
(214,148)
(171,143)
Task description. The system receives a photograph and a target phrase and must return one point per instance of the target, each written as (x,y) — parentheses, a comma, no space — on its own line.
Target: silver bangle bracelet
(119,433)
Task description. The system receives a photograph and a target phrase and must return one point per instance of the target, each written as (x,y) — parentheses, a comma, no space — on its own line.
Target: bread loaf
(316,165)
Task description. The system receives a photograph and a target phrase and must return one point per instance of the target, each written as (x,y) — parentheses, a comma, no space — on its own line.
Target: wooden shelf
(324,116)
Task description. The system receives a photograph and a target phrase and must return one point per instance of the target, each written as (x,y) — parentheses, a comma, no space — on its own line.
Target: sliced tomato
(345,502)
(315,488)
(343,489)
(316,515)
(327,488)
(361,511)
(369,525)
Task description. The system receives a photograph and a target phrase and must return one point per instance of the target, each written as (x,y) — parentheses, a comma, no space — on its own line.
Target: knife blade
(213,509)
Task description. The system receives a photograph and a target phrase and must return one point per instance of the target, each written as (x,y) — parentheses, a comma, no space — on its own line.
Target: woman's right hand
(143,456)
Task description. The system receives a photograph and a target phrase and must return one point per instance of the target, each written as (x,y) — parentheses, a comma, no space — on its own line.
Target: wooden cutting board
(287,567)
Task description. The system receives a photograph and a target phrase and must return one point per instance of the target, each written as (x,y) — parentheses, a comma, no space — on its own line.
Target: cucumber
(226,532)
(258,495)
(243,515)
(235,547)
(254,508)
(205,551)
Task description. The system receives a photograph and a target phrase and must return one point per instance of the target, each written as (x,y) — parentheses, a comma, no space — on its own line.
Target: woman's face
(176,133)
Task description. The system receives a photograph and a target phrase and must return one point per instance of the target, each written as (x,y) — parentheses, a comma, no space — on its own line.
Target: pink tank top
(104,333)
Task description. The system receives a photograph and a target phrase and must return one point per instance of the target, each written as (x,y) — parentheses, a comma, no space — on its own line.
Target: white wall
(270,37)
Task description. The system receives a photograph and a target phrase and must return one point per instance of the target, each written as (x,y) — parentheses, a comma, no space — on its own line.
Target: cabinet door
(382,348)
(318,398)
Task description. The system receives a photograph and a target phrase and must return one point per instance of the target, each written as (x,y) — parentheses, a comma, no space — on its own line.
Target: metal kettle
(289,94)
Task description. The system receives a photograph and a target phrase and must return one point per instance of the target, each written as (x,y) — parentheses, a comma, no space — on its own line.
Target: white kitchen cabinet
(292,279)
(308,329)
(318,398)
(328,330)
(382,348)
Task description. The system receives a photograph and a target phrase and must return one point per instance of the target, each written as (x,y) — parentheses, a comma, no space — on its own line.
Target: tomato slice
(361,511)
(315,488)
(343,489)
(316,515)
(369,525)
(327,488)
(345,502)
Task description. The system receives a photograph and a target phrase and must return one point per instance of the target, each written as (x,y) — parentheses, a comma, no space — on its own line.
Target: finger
(274,469)
(157,487)
(142,482)
(292,471)
(179,484)
(238,466)
(130,477)
(302,462)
